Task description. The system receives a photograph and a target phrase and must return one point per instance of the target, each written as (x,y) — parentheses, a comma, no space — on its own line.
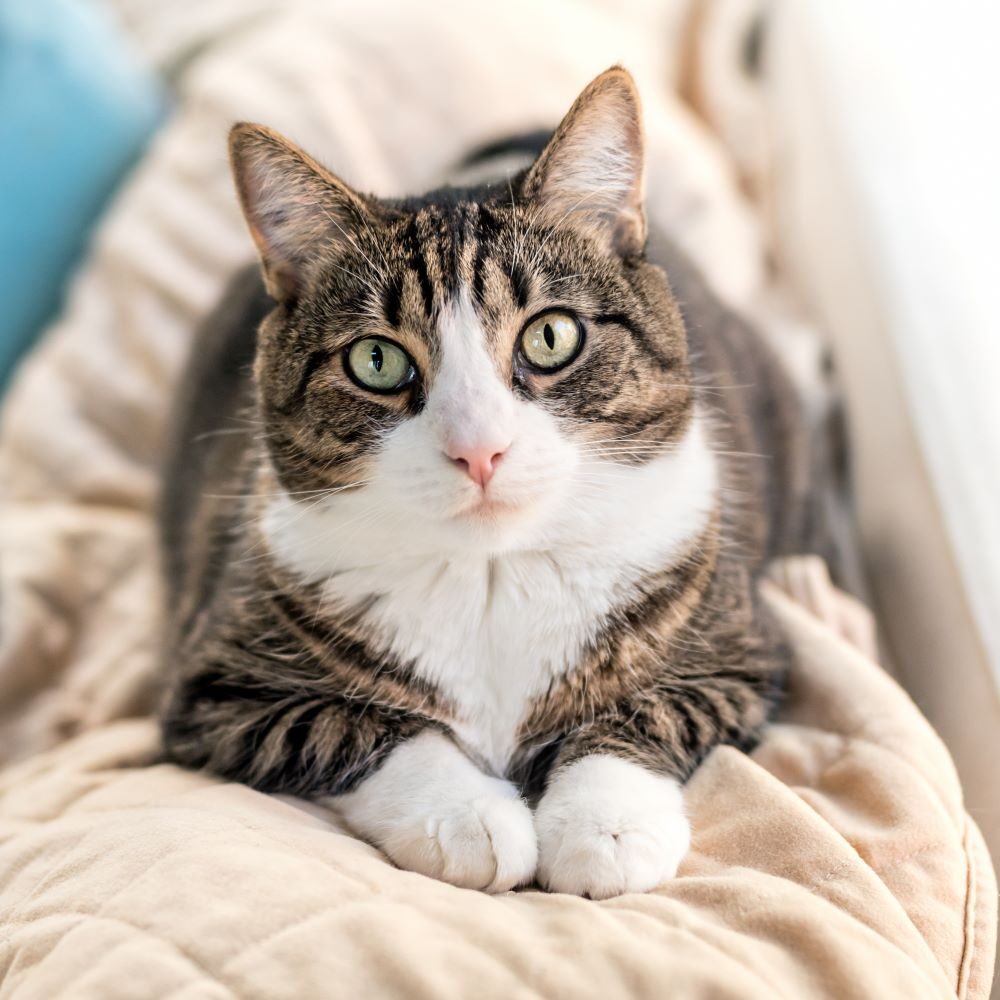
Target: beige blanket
(837,861)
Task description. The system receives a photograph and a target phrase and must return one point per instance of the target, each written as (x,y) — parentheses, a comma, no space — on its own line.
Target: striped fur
(338,589)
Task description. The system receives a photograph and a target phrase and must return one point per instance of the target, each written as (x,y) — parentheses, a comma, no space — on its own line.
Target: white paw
(607,826)
(434,812)
(486,843)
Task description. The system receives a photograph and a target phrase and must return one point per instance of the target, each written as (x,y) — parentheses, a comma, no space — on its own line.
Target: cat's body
(498,577)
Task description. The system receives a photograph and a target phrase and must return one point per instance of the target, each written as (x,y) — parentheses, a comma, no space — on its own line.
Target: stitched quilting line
(716,946)
(829,877)
(965,965)
(330,908)
(665,926)
(277,932)
(836,873)
(964,969)
(45,881)
(143,931)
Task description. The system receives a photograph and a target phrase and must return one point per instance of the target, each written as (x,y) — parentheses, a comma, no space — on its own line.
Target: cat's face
(475,364)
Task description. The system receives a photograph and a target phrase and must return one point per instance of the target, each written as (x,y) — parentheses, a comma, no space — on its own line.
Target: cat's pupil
(377,358)
(550,337)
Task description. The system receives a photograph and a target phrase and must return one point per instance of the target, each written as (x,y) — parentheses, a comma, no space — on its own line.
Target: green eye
(551,340)
(379,365)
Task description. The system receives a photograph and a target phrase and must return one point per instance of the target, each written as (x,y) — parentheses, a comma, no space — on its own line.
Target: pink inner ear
(591,173)
(294,208)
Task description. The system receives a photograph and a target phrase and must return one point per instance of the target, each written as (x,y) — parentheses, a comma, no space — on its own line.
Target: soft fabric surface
(837,861)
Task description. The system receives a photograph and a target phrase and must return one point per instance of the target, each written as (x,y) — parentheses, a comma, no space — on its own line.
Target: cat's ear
(294,207)
(591,171)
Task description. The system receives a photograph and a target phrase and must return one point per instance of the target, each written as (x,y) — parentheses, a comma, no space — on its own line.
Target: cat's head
(474,364)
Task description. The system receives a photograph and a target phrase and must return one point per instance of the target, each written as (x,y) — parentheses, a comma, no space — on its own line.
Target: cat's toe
(606,827)
(488,843)
(605,862)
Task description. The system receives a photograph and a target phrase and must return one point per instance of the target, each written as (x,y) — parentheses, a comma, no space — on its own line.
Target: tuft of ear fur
(294,207)
(591,172)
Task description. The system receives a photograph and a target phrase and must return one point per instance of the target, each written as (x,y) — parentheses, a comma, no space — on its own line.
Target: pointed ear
(294,207)
(591,172)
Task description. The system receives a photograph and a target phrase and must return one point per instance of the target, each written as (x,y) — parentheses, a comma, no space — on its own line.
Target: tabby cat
(465,511)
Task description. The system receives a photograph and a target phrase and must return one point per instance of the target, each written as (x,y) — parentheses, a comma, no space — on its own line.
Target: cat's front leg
(434,812)
(607,825)
(611,817)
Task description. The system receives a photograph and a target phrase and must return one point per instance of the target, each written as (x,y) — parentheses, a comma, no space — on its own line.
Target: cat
(463,540)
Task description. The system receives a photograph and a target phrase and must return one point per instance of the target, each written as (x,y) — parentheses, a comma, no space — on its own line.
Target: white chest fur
(493,631)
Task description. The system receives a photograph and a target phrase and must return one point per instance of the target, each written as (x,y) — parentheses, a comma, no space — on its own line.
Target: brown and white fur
(497,617)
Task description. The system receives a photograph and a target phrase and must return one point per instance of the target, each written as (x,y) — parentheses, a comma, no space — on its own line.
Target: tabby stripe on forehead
(392,300)
(419,265)
(489,226)
(426,289)
(519,282)
(477,275)
(488,229)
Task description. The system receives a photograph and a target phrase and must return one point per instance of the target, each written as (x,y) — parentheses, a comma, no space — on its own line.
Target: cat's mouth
(488,508)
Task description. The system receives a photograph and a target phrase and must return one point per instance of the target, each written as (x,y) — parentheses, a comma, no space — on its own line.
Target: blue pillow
(76,106)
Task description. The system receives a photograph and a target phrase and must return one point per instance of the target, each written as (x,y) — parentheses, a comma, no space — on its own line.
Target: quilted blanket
(837,860)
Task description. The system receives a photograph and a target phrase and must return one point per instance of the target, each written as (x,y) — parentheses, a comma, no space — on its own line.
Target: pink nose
(478,463)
